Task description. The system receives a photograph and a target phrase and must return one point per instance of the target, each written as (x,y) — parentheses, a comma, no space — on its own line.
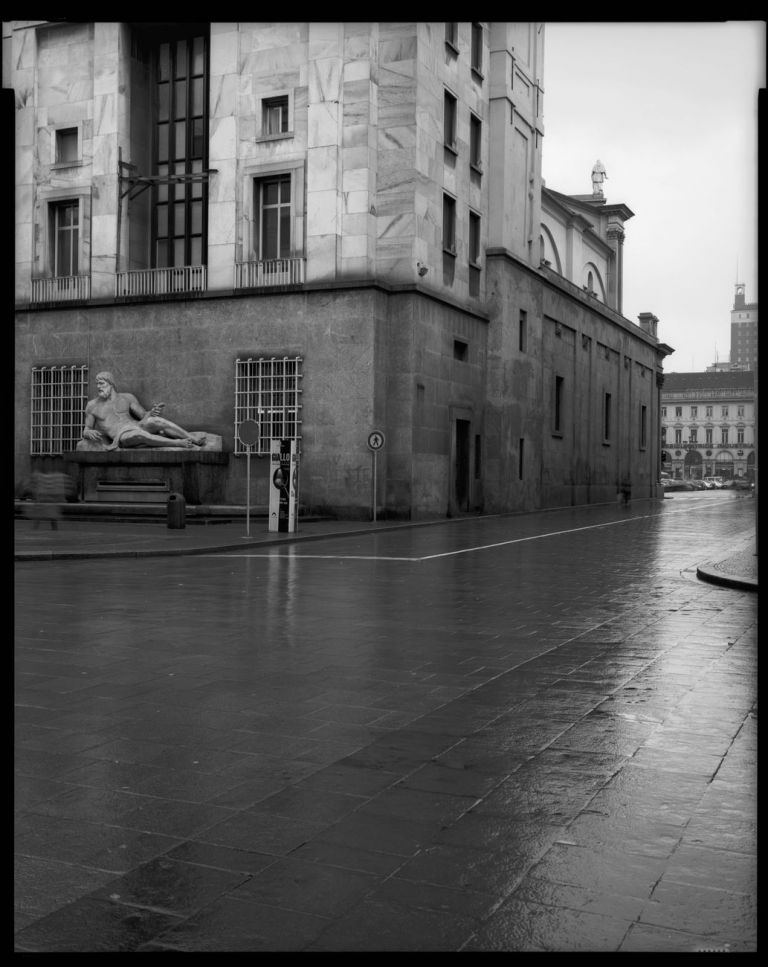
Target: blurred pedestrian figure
(625,489)
(49,491)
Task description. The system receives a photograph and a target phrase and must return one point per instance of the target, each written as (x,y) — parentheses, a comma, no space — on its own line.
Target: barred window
(59,397)
(268,391)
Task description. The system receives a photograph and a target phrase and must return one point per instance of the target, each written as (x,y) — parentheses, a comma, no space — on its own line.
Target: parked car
(714,483)
(741,483)
(698,483)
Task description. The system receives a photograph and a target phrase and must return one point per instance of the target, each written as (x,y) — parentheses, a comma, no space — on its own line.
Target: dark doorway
(462,464)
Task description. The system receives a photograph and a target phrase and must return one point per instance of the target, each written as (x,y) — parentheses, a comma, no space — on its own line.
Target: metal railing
(167,281)
(258,274)
(63,288)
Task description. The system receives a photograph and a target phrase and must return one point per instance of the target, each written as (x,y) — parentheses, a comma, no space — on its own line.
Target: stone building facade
(708,425)
(327,228)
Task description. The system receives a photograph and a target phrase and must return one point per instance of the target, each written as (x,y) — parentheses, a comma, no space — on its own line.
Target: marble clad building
(329,229)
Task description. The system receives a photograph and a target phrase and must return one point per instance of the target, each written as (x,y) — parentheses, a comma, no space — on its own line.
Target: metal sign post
(375,443)
(248,434)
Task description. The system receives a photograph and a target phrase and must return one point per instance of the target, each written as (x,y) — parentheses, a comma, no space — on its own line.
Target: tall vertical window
(644,427)
(724,434)
(725,411)
(522,336)
(449,120)
(477,48)
(708,410)
(693,435)
(475,141)
(740,435)
(65,237)
(558,407)
(58,400)
(452,35)
(449,224)
(607,417)
(678,437)
(708,436)
(474,238)
(181,152)
(268,391)
(694,412)
(679,412)
(273,217)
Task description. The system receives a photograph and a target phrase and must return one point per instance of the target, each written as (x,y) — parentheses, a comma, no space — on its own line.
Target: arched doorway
(694,465)
(724,465)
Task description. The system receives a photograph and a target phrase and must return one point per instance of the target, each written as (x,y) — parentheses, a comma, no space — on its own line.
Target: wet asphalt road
(524,733)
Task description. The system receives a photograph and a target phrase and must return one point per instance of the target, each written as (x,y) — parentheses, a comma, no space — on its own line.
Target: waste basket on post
(177,511)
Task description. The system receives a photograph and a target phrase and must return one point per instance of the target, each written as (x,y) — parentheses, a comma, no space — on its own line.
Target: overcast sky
(671,111)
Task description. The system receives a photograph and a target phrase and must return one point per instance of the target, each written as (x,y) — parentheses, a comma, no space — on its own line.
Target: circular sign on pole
(248,432)
(375,440)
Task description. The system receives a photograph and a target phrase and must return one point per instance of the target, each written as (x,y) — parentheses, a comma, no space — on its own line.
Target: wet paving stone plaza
(519,733)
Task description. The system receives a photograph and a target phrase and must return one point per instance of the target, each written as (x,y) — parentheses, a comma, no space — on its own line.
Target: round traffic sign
(375,440)
(248,432)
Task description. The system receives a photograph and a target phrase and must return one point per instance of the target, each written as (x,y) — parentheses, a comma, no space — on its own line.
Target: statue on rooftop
(598,177)
(118,421)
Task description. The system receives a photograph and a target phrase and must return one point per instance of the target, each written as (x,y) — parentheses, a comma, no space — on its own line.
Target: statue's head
(103,381)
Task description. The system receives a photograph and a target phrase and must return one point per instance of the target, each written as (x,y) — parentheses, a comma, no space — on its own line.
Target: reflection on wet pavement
(544,742)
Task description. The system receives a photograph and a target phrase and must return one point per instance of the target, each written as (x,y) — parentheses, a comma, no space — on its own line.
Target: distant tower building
(743,331)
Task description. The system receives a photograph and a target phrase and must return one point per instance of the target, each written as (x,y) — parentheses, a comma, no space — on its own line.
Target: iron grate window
(268,391)
(59,398)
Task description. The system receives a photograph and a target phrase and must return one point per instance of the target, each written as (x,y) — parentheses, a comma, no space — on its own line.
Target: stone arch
(694,464)
(549,249)
(592,281)
(724,464)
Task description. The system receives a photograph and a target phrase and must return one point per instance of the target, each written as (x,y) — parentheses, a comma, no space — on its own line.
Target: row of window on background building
(693,436)
(267,390)
(708,411)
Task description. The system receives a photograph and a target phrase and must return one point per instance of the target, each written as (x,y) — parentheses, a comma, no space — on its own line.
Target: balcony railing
(256,275)
(180,280)
(63,288)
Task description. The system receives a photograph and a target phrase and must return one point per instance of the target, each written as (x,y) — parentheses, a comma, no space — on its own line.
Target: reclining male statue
(118,421)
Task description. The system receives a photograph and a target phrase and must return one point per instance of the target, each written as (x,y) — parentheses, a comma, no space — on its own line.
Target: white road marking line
(465,550)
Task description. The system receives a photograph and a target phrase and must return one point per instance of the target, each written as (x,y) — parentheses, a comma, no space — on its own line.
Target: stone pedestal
(150,475)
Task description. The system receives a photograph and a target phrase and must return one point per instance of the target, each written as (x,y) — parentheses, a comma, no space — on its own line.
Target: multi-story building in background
(708,425)
(328,229)
(743,331)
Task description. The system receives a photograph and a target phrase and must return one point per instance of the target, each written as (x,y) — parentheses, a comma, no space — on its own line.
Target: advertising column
(284,486)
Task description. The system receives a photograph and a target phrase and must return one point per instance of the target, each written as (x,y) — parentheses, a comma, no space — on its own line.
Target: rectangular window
(272,218)
(558,405)
(477,49)
(449,224)
(474,238)
(522,340)
(694,412)
(725,411)
(663,411)
(268,391)
(460,350)
(65,237)
(679,412)
(740,411)
(274,115)
(607,417)
(678,437)
(724,434)
(449,121)
(180,198)
(475,141)
(708,411)
(66,146)
(693,435)
(708,437)
(643,426)
(452,35)
(740,435)
(58,400)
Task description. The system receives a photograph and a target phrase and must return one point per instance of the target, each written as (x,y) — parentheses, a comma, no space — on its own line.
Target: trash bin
(177,511)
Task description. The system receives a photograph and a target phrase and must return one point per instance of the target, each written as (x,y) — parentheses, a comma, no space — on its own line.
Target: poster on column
(284,486)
